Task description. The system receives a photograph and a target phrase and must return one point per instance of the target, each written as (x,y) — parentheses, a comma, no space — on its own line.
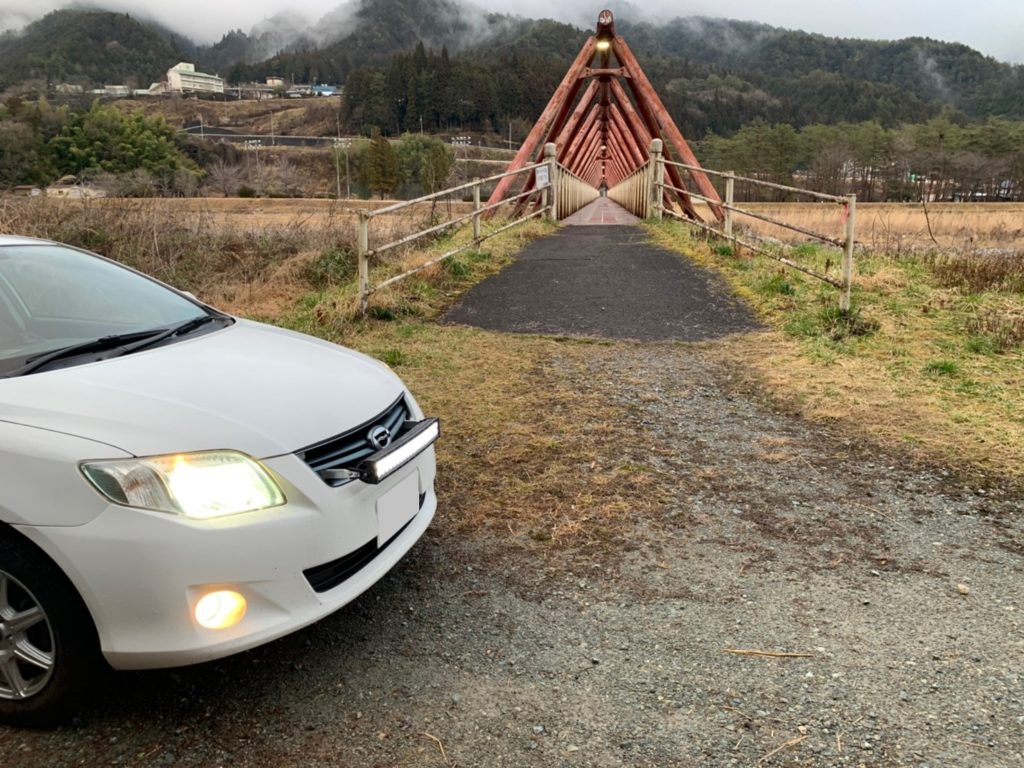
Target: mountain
(713,74)
(264,41)
(90,47)
(923,69)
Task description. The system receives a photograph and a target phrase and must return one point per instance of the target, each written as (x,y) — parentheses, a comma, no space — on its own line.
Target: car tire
(48,646)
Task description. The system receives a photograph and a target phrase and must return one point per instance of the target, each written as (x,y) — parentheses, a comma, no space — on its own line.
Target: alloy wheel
(27,647)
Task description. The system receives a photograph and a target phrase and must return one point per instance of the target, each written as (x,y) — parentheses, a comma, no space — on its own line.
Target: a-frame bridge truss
(602,119)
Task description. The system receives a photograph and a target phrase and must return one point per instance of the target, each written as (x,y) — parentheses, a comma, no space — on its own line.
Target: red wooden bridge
(605,150)
(603,120)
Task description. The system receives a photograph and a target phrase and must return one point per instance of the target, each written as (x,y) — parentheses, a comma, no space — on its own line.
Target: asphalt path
(604,281)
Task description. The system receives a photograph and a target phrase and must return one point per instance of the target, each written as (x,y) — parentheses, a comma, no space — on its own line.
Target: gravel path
(783,537)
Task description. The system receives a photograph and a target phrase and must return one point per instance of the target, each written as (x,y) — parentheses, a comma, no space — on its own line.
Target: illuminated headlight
(401,452)
(196,485)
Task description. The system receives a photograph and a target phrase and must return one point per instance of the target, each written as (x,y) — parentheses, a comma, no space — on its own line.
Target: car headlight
(197,485)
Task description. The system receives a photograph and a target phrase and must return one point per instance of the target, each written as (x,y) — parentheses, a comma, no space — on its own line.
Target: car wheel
(48,647)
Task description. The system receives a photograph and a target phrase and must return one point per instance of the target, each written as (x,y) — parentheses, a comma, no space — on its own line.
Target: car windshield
(54,297)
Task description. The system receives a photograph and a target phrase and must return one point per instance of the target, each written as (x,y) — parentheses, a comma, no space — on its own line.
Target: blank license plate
(397,507)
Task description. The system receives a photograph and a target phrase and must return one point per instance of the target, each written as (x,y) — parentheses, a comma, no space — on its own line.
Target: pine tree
(382,172)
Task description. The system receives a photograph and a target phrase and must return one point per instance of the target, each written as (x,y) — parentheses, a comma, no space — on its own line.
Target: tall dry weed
(192,249)
(1000,328)
(979,272)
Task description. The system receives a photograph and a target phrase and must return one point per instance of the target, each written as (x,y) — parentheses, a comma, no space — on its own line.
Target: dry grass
(897,228)
(524,453)
(252,257)
(934,368)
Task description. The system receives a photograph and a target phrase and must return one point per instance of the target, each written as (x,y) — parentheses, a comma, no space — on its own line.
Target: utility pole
(254,145)
(339,144)
(461,141)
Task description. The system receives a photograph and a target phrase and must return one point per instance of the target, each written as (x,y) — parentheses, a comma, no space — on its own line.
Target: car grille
(346,450)
(329,575)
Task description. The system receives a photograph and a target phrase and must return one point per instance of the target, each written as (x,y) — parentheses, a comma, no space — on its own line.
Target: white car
(177,484)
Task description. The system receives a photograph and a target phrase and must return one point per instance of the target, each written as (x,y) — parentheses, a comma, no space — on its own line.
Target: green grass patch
(941,368)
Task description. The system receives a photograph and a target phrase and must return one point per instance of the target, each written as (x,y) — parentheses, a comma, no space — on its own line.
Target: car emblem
(379,437)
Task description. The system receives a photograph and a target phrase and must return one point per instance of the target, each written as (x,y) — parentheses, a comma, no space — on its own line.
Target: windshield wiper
(177,330)
(117,344)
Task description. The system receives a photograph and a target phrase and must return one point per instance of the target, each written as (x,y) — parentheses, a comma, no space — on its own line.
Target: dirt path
(782,537)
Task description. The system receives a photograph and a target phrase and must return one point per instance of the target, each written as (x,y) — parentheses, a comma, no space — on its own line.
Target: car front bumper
(141,573)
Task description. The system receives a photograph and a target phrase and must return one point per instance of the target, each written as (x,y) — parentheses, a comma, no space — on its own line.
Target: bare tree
(285,178)
(224,177)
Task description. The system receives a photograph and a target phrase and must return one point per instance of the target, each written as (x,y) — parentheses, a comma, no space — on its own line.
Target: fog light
(220,610)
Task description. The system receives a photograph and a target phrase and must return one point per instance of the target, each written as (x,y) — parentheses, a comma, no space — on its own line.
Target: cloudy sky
(995,27)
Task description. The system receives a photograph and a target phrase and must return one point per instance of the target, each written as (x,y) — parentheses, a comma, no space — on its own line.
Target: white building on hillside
(183,78)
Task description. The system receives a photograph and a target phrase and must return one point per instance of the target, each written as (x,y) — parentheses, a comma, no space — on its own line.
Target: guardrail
(846,243)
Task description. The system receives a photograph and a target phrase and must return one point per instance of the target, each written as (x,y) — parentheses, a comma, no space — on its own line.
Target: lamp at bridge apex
(605,31)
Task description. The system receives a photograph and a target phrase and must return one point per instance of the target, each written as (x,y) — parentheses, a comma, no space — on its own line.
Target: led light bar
(393,457)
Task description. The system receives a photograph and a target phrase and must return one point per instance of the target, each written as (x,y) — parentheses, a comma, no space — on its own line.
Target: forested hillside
(87,47)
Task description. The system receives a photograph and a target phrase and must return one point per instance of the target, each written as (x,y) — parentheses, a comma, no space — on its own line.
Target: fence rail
(846,243)
(643,193)
(544,177)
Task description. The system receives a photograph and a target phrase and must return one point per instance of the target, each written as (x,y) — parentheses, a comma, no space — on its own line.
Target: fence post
(851,228)
(730,200)
(363,248)
(550,150)
(476,209)
(657,178)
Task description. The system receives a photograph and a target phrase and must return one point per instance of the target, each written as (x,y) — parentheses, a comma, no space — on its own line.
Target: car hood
(249,387)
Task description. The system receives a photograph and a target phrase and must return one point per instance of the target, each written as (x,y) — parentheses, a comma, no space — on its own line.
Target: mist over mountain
(714,74)
(87,47)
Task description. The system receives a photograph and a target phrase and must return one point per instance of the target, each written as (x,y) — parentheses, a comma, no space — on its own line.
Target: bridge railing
(543,176)
(731,210)
(571,193)
(634,192)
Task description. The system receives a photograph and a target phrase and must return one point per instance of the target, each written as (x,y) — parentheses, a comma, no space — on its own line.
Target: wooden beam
(675,178)
(605,72)
(580,140)
(551,119)
(568,131)
(633,120)
(586,155)
(669,130)
(637,155)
